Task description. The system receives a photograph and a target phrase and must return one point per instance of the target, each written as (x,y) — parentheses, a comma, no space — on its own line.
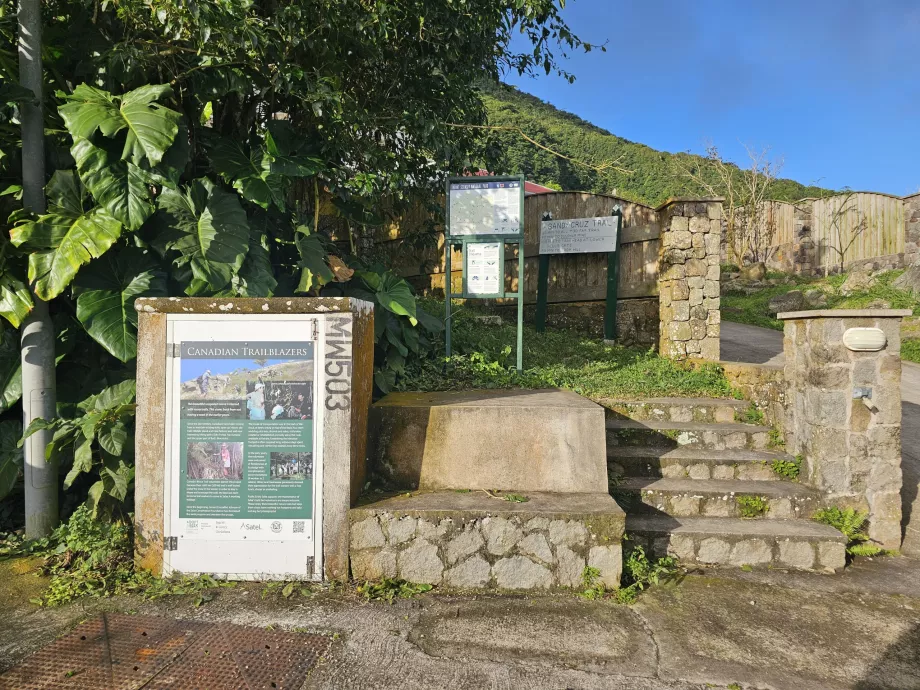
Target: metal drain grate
(121,652)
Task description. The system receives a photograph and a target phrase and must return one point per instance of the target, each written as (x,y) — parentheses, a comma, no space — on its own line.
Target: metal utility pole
(38,376)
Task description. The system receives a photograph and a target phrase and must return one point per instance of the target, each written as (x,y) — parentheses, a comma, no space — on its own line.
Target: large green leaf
(256,278)
(314,269)
(208,227)
(108,289)
(150,126)
(10,372)
(10,455)
(66,238)
(250,173)
(120,186)
(394,295)
(15,299)
(286,147)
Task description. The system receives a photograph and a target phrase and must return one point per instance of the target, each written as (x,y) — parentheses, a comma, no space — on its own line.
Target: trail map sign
(581,236)
(483,215)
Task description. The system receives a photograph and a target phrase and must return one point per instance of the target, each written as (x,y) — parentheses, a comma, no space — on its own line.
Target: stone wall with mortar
(912,237)
(688,279)
(852,453)
(762,384)
(517,551)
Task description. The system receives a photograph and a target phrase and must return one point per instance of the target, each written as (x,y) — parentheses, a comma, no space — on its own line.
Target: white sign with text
(579,235)
(483,268)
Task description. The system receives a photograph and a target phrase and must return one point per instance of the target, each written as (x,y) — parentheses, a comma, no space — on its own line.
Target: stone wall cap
(845,314)
(685,199)
(251,305)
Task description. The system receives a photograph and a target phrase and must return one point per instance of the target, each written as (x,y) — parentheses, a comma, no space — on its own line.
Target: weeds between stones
(752,506)
(852,523)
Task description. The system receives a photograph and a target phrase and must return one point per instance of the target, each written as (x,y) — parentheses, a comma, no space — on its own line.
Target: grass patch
(484,358)
(910,350)
(390,589)
(753,308)
(752,506)
(752,415)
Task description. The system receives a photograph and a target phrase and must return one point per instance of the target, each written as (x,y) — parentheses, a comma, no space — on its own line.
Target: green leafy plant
(591,588)
(96,440)
(286,589)
(515,498)
(752,415)
(640,572)
(776,440)
(787,469)
(389,589)
(853,524)
(751,506)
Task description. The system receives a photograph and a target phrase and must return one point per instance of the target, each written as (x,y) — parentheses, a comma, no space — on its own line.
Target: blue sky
(833,88)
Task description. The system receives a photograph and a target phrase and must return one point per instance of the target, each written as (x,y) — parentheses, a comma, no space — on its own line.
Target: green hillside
(654,176)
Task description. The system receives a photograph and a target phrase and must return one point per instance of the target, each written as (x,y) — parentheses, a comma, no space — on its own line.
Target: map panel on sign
(579,235)
(485,208)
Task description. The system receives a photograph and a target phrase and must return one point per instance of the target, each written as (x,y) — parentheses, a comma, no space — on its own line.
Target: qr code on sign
(193,524)
(298,526)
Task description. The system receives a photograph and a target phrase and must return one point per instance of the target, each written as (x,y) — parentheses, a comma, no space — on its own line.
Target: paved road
(743,343)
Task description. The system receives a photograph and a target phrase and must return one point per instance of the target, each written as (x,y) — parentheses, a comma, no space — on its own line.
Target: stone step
(715,497)
(793,544)
(694,463)
(481,540)
(677,409)
(717,436)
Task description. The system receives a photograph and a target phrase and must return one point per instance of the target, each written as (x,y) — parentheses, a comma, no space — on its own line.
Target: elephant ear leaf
(64,239)
(151,127)
(119,186)
(314,269)
(15,299)
(10,372)
(256,278)
(208,227)
(10,455)
(107,291)
(395,295)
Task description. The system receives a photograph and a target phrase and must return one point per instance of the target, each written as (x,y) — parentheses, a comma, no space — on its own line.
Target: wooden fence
(418,254)
(859,225)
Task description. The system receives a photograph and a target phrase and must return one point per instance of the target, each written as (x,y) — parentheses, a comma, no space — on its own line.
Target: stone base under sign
(475,540)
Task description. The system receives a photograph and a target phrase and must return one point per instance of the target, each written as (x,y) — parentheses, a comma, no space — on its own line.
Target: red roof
(529,187)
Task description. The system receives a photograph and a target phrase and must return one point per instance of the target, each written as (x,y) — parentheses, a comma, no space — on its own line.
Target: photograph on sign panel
(235,379)
(287,400)
(221,460)
(289,466)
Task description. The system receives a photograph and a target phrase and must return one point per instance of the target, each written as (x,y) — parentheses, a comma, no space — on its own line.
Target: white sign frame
(237,559)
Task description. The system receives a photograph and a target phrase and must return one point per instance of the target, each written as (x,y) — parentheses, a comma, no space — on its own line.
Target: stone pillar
(912,231)
(852,450)
(688,279)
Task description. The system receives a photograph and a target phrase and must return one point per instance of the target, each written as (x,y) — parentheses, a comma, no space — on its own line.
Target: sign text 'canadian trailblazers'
(246,439)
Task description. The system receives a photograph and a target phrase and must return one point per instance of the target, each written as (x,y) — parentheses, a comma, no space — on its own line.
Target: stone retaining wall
(517,551)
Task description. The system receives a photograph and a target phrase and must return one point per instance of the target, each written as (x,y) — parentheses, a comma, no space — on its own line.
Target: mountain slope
(654,174)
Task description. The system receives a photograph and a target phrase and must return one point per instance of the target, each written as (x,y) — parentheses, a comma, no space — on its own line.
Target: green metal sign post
(582,236)
(483,215)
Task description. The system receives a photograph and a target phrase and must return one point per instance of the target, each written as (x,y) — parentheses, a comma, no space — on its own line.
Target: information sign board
(483,273)
(579,235)
(492,207)
(246,439)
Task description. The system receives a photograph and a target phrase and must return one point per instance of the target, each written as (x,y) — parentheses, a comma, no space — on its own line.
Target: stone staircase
(697,484)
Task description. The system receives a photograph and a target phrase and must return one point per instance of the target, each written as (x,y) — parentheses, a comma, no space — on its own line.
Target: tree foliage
(195,147)
(642,174)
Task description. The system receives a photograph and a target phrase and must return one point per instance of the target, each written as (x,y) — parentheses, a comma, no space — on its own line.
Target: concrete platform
(474,540)
(517,440)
